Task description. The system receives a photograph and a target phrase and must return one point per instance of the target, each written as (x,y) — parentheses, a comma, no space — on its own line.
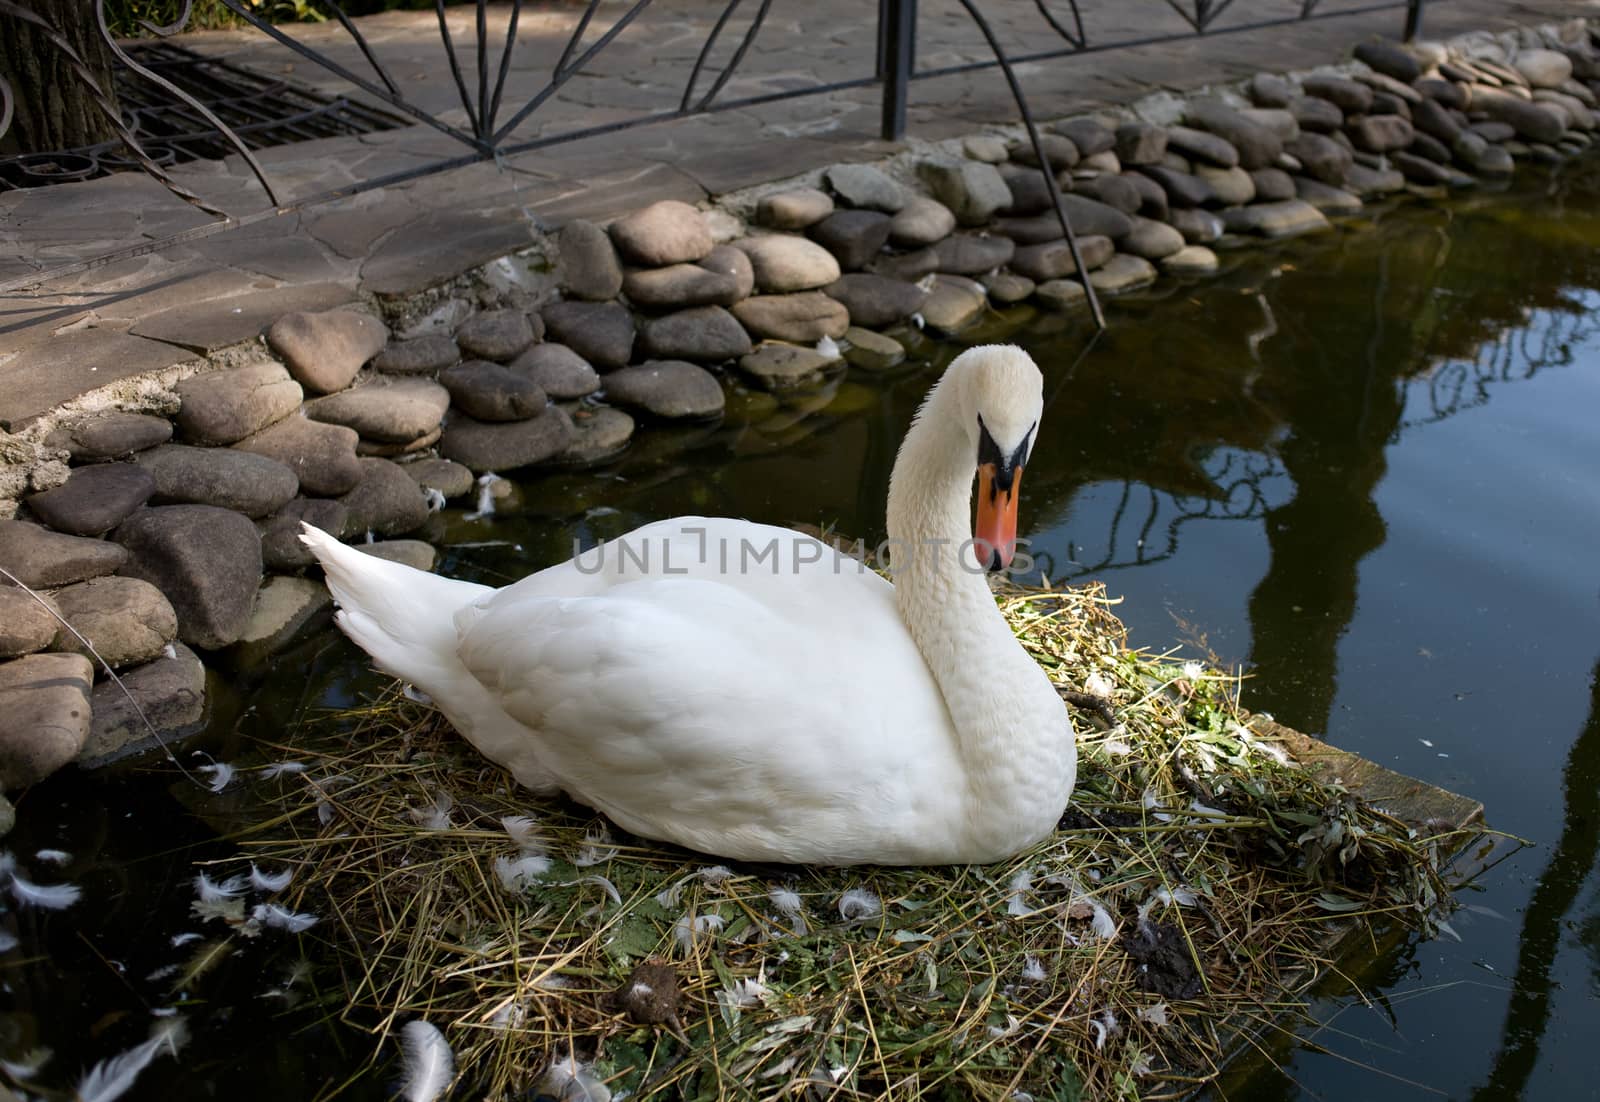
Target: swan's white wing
(775,712)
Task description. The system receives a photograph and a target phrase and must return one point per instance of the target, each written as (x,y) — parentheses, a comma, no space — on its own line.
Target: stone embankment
(164,537)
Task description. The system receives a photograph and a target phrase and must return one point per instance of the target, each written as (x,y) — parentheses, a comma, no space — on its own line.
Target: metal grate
(262,110)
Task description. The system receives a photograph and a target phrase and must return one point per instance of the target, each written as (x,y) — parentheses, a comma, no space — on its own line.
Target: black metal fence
(492,124)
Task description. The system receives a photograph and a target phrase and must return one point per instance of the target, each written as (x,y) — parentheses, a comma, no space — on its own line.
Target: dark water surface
(1365,467)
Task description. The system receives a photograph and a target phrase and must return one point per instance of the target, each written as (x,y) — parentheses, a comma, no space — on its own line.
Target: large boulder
(44,715)
(40,558)
(220,407)
(243,481)
(206,560)
(125,620)
(325,350)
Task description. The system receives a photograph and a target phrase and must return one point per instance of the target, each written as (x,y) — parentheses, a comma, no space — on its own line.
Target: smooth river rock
(705,334)
(41,559)
(874,301)
(589,266)
(492,392)
(25,624)
(220,407)
(666,388)
(169,693)
(667,232)
(323,351)
(557,370)
(496,335)
(485,446)
(228,478)
(125,620)
(206,560)
(390,411)
(386,501)
(805,317)
(601,332)
(322,456)
(971,190)
(109,435)
(420,356)
(794,209)
(44,715)
(95,499)
(780,366)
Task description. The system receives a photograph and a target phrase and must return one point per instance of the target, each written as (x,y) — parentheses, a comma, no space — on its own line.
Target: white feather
(715,874)
(270,881)
(281,769)
(609,888)
(212,892)
(434,498)
(184,939)
(8,941)
(221,774)
(524,833)
(111,1078)
(53,856)
(570,1081)
(691,927)
(517,873)
(28,1065)
(429,1064)
(788,902)
(597,848)
(270,914)
(1032,970)
(52,897)
(858,903)
(1017,893)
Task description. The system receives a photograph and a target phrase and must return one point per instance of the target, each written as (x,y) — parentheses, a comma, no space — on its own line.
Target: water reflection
(1548,917)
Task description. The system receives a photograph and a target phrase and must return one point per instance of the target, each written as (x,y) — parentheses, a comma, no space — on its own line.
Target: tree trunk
(55,109)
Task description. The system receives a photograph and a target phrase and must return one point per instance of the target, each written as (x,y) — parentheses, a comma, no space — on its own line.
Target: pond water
(1364,467)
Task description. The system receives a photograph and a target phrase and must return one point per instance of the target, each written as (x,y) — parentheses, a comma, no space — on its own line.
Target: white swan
(746,690)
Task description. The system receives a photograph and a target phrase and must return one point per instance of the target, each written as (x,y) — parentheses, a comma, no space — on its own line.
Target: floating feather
(518,873)
(51,897)
(53,856)
(180,940)
(212,892)
(113,1077)
(270,882)
(8,941)
(221,775)
(485,508)
(434,497)
(280,769)
(859,903)
(28,1065)
(270,914)
(427,1060)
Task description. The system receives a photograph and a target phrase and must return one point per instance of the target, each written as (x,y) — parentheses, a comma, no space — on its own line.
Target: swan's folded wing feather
(688,698)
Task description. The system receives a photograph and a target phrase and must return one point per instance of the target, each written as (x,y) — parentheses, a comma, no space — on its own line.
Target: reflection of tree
(1559,885)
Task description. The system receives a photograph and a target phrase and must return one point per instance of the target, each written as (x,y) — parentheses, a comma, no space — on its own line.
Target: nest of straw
(1193,890)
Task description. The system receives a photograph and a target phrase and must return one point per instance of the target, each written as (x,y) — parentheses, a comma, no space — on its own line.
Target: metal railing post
(1413,20)
(897,44)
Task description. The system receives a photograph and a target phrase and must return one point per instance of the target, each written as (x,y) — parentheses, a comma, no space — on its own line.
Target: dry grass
(1189,895)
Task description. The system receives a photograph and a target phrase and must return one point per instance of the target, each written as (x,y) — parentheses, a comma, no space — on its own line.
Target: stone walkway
(69,334)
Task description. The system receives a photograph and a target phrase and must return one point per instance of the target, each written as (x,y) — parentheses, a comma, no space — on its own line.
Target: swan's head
(1002,394)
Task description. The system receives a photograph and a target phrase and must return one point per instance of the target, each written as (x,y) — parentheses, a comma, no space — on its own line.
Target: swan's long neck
(1015,737)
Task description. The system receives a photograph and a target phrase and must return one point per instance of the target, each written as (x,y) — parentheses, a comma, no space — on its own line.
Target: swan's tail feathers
(403,617)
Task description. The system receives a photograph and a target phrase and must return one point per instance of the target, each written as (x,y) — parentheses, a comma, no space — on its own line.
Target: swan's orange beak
(995,537)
